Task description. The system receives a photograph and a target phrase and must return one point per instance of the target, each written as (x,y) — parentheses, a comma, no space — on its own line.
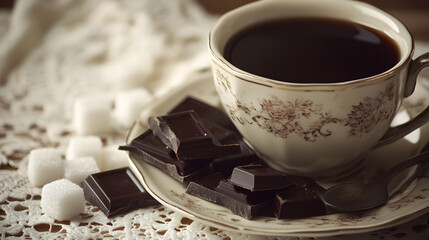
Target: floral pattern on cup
(283,118)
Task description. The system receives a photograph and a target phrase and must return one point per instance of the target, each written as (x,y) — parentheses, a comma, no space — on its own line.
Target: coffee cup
(305,124)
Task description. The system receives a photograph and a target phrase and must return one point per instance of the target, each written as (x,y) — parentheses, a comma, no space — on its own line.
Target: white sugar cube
(76,170)
(129,104)
(85,146)
(113,158)
(62,199)
(91,115)
(44,166)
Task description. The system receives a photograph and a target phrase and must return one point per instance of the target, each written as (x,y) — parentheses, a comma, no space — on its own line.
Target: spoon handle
(420,158)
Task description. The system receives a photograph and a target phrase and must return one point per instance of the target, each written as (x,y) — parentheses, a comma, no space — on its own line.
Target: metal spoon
(358,196)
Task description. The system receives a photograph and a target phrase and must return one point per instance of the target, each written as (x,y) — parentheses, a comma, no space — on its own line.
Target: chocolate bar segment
(205,188)
(298,203)
(258,177)
(170,169)
(160,155)
(243,195)
(188,136)
(206,112)
(116,191)
(226,164)
(148,148)
(222,135)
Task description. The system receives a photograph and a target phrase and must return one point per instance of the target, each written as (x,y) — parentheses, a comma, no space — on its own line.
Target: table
(67,51)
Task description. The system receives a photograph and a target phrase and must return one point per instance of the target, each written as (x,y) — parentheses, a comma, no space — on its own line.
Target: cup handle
(395,133)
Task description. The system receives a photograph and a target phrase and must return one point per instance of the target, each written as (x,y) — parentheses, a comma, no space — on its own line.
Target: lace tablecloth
(53,52)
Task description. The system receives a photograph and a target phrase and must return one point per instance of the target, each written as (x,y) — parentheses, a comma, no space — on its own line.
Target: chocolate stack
(192,140)
(198,145)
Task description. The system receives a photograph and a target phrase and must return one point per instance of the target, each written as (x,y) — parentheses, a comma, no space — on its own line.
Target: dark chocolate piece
(149,148)
(243,195)
(250,211)
(258,177)
(222,135)
(160,155)
(206,112)
(188,136)
(298,203)
(170,169)
(227,163)
(205,188)
(116,191)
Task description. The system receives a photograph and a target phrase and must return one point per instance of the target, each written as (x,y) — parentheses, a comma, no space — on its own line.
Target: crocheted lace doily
(96,47)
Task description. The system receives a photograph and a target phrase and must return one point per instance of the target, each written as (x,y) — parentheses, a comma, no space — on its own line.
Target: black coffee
(312,50)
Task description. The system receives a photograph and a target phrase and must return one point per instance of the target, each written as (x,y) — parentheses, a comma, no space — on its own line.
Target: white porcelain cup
(316,130)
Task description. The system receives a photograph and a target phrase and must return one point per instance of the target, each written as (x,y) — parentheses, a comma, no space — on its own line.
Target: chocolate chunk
(148,148)
(116,191)
(249,211)
(257,177)
(227,163)
(160,155)
(169,168)
(188,136)
(298,203)
(222,135)
(206,112)
(216,121)
(243,195)
(205,188)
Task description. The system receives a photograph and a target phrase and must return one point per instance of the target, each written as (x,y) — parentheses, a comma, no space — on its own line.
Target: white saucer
(413,201)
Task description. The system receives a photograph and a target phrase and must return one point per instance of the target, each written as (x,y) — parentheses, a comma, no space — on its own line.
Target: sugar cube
(44,166)
(85,146)
(91,115)
(62,199)
(129,104)
(113,158)
(76,170)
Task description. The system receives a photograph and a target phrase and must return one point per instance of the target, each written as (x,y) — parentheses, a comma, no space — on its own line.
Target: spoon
(359,196)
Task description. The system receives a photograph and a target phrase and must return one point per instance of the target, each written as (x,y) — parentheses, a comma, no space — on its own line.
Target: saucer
(411,200)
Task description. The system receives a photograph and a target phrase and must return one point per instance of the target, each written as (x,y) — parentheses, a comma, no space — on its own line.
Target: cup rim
(250,77)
